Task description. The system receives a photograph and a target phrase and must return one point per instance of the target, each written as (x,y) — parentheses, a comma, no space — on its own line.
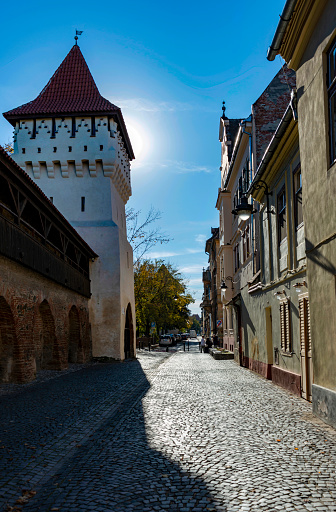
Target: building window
(236,257)
(331,86)
(39,150)
(93,126)
(297,178)
(286,345)
(282,224)
(101,147)
(23,150)
(83,204)
(73,127)
(53,128)
(70,149)
(54,150)
(85,148)
(52,199)
(247,241)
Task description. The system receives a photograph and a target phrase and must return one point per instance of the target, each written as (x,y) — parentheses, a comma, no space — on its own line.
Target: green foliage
(8,147)
(160,296)
(195,324)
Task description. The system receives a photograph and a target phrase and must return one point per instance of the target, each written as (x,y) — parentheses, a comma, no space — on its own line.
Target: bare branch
(141,234)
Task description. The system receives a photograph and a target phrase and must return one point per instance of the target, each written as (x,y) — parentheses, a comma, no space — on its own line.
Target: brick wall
(270,107)
(42,324)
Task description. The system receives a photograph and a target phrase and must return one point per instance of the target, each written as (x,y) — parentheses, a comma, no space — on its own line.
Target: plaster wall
(96,169)
(319,183)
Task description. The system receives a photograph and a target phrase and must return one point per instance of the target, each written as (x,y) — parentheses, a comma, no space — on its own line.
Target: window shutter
(288,330)
(283,327)
(302,324)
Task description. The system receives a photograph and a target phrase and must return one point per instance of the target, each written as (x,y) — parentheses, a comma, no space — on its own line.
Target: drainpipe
(285,18)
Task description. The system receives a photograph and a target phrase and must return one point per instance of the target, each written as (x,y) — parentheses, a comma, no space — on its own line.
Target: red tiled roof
(71,89)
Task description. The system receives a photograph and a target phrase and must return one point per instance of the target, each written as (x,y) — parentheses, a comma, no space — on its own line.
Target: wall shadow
(112,466)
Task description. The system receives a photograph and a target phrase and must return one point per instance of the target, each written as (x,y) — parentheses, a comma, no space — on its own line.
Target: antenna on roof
(78,33)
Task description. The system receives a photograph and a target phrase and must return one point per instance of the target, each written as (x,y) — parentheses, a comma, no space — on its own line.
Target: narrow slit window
(73,127)
(85,148)
(83,204)
(53,128)
(23,150)
(101,147)
(55,149)
(39,150)
(93,126)
(52,199)
(70,149)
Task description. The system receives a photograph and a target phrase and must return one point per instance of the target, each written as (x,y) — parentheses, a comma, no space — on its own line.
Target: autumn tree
(142,233)
(160,296)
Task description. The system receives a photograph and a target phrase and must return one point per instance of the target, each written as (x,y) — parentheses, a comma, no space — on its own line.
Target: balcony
(206,277)
(206,304)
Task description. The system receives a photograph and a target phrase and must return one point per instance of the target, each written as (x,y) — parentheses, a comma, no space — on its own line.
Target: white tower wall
(83,166)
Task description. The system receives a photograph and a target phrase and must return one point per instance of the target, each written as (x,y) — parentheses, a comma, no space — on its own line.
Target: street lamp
(224,286)
(244,209)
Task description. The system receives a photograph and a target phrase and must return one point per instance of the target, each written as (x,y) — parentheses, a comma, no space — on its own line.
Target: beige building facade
(306,39)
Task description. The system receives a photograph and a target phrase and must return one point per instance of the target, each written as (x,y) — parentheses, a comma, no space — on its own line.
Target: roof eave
(285,18)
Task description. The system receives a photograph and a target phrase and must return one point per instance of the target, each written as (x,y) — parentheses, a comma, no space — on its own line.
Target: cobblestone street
(169,431)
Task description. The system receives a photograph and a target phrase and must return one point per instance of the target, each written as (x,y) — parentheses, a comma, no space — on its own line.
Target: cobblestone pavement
(168,432)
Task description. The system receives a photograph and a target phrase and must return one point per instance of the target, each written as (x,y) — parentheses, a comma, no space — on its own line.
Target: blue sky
(169,66)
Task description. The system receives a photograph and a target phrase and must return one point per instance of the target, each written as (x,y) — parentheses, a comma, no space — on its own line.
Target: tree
(142,235)
(8,147)
(195,323)
(160,296)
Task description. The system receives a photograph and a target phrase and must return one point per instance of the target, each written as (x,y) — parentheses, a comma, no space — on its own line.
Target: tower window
(93,126)
(23,150)
(39,150)
(53,128)
(85,148)
(55,149)
(73,127)
(83,204)
(70,149)
(101,147)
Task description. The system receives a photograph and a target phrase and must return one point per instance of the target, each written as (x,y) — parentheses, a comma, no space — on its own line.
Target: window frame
(281,212)
(297,196)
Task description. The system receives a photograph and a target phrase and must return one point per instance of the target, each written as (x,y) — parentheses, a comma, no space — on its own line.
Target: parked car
(166,341)
(184,336)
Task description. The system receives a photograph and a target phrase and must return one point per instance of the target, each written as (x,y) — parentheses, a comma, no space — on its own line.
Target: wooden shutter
(288,329)
(286,344)
(283,326)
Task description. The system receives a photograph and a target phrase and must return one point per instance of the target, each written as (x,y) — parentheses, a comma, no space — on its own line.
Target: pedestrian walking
(202,344)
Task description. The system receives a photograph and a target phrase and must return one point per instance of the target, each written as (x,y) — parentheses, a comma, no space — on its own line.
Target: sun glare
(140,139)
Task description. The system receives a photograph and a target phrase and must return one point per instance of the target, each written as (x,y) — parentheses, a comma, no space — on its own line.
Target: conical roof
(70,91)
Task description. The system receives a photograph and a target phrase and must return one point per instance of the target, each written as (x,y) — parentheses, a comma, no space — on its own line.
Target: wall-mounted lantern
(244,209)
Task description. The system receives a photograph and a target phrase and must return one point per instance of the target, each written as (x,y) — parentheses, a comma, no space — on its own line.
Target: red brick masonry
(42,324)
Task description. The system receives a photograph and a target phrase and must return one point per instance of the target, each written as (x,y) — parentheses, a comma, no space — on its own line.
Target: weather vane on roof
(78,33)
